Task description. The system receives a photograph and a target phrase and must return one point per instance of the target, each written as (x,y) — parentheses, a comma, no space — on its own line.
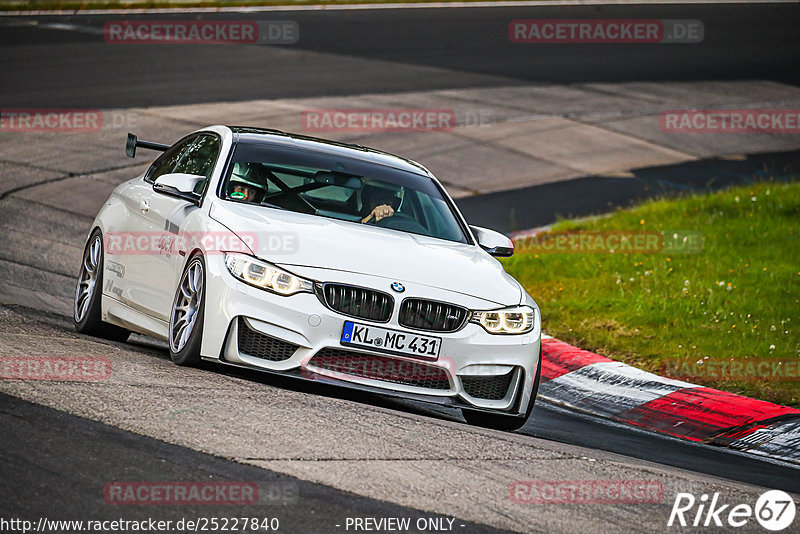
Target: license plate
(390,341)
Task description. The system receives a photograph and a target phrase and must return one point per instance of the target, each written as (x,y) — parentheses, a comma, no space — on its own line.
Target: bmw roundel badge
(398,287)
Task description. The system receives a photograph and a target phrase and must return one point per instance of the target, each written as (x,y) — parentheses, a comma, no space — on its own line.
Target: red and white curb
(593,384)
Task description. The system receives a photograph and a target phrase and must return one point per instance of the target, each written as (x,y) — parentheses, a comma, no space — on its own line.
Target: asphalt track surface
(55,463)
(538,206)
(70,484)
(412,50)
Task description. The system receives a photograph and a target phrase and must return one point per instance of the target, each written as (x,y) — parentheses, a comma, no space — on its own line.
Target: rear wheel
(86,310)
(186,318)
(498,421)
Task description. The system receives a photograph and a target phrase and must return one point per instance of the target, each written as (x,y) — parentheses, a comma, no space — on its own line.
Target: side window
(167,161)
(201,156)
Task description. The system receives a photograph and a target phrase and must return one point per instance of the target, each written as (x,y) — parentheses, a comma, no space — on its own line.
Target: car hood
(293,239)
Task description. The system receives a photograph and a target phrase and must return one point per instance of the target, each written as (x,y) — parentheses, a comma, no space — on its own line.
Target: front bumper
(298,335)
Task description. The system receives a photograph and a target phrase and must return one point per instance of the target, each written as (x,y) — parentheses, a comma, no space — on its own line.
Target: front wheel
(498,421)
(186,318)
(86,309)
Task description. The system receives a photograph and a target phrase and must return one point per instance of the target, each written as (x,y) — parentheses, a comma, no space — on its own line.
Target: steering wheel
(401,221)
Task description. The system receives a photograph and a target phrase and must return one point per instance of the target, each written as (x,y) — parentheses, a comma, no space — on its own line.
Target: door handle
(144,206)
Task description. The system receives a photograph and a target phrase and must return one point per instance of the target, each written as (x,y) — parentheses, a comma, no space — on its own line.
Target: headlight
(516,320)
(265,276)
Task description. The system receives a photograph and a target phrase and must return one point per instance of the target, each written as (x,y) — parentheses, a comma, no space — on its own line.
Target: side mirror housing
(495,243)
(179,185)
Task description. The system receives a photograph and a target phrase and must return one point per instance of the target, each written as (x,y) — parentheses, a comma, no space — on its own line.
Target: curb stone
(587,382)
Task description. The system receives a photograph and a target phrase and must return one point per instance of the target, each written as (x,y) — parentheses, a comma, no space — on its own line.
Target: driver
(248,182)
(377,203)
(242,191)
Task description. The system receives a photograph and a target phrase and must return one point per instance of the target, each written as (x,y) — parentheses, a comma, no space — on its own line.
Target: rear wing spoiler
(133,142)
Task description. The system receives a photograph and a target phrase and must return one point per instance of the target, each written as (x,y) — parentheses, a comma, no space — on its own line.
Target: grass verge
(725,316)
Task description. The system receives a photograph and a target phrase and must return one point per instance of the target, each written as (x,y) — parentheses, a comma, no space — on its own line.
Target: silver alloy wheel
(186,307)
(87,280)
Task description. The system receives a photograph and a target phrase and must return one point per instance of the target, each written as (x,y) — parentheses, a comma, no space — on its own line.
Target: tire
(86,307)
(187,315)
(498,421)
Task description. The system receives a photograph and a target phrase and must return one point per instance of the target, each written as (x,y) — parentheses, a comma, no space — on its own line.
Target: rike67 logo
(774,510)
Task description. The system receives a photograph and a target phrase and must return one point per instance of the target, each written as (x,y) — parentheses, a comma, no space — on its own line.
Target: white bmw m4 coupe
(315,259)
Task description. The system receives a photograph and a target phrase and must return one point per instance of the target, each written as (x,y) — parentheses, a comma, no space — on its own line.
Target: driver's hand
(382,211)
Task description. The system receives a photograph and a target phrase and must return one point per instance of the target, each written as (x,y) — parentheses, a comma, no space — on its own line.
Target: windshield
(341,188)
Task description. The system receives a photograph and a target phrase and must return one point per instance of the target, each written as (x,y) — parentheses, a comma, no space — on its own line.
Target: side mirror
(493,242)
(179,185)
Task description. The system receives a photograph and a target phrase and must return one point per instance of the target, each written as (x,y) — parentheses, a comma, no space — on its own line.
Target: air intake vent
(381,368)
(487,387)
(263,346)
(432,316)
(358,302)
